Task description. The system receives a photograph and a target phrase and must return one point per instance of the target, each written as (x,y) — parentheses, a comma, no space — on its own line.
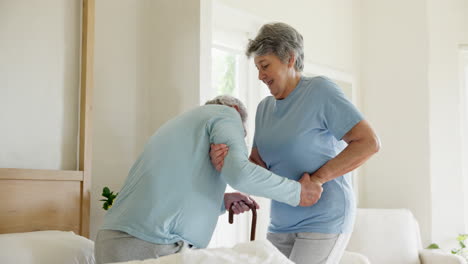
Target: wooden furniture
(33,200)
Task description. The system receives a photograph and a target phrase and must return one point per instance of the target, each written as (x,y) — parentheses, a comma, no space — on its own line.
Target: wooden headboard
(33,200)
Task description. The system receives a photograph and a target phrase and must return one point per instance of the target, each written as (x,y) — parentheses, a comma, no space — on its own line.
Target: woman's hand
(238,202)
(217,154)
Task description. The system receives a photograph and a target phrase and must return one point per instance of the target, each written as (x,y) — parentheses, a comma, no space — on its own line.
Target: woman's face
(274,73)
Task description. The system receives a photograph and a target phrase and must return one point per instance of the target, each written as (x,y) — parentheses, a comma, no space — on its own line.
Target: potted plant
(110,197)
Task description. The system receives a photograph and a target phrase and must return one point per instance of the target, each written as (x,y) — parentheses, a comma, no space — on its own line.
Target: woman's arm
(219,151)
(255,158)
(362,144)
(217,154)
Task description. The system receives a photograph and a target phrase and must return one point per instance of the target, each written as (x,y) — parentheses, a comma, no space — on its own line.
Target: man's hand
(217,154)
(311,190)
(239,201)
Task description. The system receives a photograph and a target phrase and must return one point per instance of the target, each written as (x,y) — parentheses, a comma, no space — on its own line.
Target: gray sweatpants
(311,248)
(115,246)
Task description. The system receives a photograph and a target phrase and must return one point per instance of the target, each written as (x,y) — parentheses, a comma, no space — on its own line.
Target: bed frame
(33,200)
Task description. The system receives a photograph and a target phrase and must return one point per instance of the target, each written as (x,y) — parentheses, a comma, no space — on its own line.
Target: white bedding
(51,247)
(259,251)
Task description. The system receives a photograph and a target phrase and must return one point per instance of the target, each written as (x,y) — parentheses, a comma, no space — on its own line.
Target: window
(224,67)
(231,74)
(225,75)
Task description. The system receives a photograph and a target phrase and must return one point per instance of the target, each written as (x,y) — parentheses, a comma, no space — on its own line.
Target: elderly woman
(307,125)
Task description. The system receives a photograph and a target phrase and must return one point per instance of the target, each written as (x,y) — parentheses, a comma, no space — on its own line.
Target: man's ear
(292,60)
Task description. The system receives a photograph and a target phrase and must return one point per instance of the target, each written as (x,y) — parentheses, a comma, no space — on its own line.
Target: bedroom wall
(39,83)
(394,69)
(410,89)
(146,71)
(447,22)
(119,127)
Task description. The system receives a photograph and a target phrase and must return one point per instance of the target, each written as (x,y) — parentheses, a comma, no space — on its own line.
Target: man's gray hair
(280,39)
(230,101)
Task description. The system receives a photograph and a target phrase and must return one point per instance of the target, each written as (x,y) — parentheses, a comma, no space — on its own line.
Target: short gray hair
(280,39)
(230,101)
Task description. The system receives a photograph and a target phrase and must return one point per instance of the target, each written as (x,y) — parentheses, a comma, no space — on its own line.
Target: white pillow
(51,247)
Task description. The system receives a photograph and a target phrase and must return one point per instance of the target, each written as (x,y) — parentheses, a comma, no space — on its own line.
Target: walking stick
(254,219)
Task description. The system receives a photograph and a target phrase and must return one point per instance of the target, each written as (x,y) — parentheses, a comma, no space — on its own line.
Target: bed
(258,251)
(44,214)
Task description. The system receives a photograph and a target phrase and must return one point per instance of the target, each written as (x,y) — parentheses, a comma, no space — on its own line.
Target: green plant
(110,196)
(461,250)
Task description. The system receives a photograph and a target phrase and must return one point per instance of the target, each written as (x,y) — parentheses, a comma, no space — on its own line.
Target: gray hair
(230,101)
(280,39)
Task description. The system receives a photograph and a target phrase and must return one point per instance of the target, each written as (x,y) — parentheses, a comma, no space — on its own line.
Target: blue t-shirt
(173,192)
(300,134)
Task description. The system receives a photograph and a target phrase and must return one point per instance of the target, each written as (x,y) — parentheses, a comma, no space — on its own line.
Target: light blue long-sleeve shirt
(173,192)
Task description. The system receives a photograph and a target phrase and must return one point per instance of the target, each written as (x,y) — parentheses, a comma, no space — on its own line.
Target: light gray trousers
(311,248)
(115,246)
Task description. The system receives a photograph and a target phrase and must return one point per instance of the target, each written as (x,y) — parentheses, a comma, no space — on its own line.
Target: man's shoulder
(219,110)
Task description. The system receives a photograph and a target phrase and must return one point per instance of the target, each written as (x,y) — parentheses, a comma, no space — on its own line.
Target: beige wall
(410,90)
(395,98)
(120,112)
(39,83)
(447,22)
(147,69)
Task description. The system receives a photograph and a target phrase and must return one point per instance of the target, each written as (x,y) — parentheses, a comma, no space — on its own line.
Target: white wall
(147,68)
(447,23)
(410,87)
(175,58)
(39,83)
(394,69)
(120,113)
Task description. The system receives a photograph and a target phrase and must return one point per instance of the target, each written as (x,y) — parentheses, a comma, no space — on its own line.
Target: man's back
(172,181)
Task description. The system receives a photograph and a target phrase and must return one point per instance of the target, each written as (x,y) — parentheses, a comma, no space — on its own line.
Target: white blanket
(259,251)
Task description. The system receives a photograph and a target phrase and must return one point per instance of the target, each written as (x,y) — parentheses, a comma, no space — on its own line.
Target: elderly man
(173,195)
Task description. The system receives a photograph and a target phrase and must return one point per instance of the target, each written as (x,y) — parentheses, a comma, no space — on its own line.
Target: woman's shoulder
(320,85)
(319,80)
(269,100)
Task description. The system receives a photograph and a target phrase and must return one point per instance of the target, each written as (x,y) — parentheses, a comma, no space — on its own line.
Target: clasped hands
(311,186)
(239,202)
